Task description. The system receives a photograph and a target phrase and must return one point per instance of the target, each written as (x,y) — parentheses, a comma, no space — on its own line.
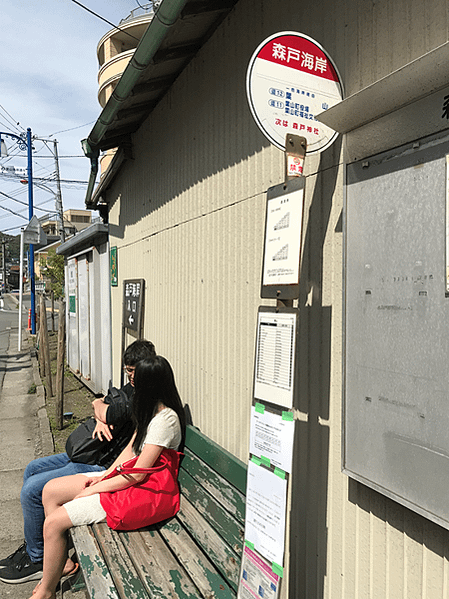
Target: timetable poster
(275,357)
(283,239)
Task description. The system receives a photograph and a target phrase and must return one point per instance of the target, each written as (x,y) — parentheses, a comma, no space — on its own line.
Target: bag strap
(124,469)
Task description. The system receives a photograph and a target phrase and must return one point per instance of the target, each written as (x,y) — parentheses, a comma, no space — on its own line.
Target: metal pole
(21,290)
(4,264)
(30,215)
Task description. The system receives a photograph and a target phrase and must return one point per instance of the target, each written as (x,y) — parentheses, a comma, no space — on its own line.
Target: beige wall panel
(188,216)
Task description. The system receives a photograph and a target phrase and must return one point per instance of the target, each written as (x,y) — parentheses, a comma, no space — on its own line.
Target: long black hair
(154,383)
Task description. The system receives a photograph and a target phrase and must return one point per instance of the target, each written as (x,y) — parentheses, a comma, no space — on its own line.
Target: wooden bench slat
(225,493)
(217,457)
(224,559)
(208,580)
(98,580)
(211,510)
(160,572)
(121,568)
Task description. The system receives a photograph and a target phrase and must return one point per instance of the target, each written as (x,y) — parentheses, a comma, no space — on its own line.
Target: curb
(46,445)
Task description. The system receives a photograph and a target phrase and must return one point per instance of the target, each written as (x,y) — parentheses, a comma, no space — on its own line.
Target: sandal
(73,571)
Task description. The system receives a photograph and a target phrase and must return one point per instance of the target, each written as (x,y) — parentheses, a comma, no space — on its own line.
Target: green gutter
(165,17)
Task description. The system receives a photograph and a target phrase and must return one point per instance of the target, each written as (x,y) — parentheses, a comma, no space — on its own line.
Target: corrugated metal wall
(188,214)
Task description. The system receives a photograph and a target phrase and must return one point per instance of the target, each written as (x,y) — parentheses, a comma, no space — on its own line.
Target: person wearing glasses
(26,563)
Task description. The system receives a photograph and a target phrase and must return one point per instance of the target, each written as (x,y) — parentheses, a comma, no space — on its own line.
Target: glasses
(130,370)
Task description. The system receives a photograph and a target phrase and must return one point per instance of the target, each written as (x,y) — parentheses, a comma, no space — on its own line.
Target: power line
(72,129)
(12,121)
(105,20)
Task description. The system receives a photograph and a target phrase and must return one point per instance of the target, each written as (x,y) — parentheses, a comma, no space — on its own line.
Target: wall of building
(187,215)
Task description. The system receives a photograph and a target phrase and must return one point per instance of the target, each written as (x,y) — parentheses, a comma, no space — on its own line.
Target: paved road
(20,436)
(24,435)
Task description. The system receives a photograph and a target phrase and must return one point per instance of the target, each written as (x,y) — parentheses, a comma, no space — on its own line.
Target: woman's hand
(89,486)
(102,431)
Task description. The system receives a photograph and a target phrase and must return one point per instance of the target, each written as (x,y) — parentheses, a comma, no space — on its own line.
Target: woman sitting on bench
(76,500)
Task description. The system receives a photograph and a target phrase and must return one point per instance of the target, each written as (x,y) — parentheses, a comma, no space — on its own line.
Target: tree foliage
(53,269)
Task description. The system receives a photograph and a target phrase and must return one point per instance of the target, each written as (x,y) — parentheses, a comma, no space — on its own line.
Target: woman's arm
(147,458)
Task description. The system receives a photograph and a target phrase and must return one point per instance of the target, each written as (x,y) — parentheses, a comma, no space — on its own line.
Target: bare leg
(55,553)
(61,490)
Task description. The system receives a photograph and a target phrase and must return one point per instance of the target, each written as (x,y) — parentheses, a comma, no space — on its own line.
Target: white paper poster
(271,437)
(275,358)
(283,239)
(266,501)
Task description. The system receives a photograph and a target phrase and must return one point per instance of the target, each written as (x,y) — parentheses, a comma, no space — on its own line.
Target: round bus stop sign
(291,79)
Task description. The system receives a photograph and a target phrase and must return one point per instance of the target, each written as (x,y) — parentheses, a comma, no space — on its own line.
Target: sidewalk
(25,435)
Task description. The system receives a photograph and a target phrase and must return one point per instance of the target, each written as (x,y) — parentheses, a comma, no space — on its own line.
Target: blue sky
(49,83)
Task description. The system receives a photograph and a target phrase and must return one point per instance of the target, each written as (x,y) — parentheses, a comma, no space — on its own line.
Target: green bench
(197,554)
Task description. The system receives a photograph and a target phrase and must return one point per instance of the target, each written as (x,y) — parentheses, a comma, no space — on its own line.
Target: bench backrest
(213,485)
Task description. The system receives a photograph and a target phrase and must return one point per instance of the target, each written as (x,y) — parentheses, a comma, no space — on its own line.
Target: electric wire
(105,20)
(13,123)
(72,129)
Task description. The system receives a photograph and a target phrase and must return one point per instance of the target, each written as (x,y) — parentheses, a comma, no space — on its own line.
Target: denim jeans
(36,475)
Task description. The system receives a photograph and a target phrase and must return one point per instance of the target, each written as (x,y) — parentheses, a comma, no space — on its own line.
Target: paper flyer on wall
(266,502)
(271,437)
(257,578)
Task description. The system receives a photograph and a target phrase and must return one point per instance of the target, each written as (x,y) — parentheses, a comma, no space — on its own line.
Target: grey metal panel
(104,313)
(72,311)
(396,330)
(94,323)
(83,316)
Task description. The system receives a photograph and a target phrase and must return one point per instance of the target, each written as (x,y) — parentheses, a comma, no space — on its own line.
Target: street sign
(133,304)
(33,232)
(290,79)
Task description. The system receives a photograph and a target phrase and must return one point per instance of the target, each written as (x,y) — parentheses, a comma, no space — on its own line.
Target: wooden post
(46,347)
(60,367)
(40,346)
(52,295)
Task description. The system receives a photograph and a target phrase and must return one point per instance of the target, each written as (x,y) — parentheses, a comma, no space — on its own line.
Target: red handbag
(154,499)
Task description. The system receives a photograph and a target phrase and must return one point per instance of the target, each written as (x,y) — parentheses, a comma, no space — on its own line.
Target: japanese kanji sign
(133,303)
(291,79)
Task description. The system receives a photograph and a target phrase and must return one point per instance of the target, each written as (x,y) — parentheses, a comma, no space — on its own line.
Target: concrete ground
(25,434)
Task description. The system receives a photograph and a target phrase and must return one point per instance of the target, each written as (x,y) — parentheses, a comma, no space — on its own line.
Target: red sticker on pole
(290,80)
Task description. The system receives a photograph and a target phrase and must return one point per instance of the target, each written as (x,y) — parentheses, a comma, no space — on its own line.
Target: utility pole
(4,263)
(59,194)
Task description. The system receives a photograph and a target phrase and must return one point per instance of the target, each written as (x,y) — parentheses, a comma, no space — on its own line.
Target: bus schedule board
(283,240)
(290,79)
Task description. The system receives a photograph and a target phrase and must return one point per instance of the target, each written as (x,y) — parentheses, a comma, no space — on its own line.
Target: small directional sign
(133,303)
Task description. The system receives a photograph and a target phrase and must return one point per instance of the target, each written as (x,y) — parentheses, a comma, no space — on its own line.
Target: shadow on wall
(308,540)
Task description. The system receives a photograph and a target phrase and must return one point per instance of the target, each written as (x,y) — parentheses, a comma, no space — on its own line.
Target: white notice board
(275,356)
(283,236)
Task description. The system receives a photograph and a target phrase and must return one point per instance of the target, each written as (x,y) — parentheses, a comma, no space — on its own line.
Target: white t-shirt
(164,430)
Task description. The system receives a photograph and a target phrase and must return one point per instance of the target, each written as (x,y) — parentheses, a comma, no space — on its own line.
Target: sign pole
(20,290)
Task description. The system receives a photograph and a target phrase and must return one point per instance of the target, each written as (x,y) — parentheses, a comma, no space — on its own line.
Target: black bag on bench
(82,448)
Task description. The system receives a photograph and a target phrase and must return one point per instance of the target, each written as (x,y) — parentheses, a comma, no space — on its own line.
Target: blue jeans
(36,475)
